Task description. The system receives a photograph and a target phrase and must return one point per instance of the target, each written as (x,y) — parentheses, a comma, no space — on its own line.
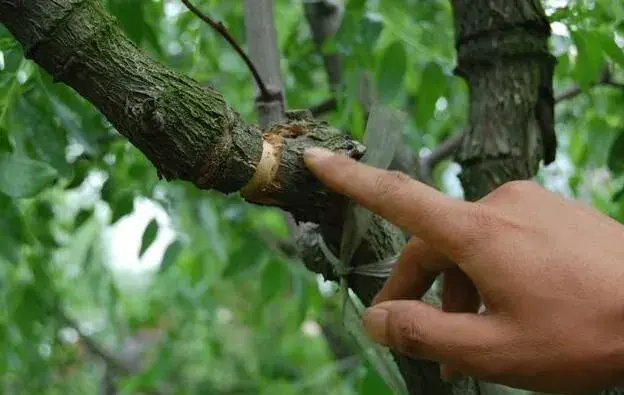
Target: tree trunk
(502,49)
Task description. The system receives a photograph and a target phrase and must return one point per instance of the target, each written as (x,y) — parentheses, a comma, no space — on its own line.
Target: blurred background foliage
(103,264)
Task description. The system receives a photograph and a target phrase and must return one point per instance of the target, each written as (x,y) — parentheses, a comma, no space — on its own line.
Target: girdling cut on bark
(281,177)
(186,130)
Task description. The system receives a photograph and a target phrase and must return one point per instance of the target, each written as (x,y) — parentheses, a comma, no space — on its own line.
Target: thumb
(473,343)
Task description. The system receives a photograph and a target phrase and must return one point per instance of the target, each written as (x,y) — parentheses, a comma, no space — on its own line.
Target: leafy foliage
(90,234)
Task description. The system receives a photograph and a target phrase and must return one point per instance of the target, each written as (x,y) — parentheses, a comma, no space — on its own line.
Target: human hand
(550,273)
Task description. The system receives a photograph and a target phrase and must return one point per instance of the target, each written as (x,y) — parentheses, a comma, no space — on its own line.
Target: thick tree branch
(186,130)
(221,29)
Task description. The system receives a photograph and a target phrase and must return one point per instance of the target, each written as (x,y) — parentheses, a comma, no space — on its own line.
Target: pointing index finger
(433,216)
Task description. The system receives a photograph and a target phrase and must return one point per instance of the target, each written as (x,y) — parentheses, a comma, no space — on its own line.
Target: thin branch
(614,84)
(324,18)
(95,348)
(605,80)
(278,244)
(220,28)
(428,163)
(324,107)
(568,94)
(92,345)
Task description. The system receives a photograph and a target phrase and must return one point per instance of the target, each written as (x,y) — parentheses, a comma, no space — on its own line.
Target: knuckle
(488,224)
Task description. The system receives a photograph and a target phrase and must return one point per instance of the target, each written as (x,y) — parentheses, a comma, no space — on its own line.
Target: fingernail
(315,154)
(375,324)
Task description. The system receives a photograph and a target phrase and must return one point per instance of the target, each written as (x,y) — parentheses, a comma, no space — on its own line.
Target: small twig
(92,345)
(324,18)
(324,107)
(428,163)
(116,364)
(278,244)
(220,28)
(605,80)
(615,84)
(568,94)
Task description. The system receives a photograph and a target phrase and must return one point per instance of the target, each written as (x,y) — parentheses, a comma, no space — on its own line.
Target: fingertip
(315,156)
(375,324)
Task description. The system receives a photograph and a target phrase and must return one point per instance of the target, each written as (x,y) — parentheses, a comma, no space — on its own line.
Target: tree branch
(264,51)
(448,147)
(605,80)
(324,107)
(324,18)
(92,345)
(221,29)
(428,163)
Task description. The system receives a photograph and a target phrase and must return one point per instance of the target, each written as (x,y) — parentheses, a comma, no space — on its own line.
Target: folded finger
(414,272)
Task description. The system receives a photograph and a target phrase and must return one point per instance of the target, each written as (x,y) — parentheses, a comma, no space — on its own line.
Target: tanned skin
(549,271)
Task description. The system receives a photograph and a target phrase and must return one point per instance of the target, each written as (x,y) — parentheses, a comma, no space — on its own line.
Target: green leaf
(82,216)
(248,255)
(301,292)
(376,354)
(358,121)
(149,235)
(170,256)
(618,195)
(391,71)
(80,171)
(615,161)
(373,384)
(129,13)
(5,142)
(432,85)
(370,29)
(13,229)
(611,48)
(122,205)
(273,280)
(40,220)
(590,59)
(21,177)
